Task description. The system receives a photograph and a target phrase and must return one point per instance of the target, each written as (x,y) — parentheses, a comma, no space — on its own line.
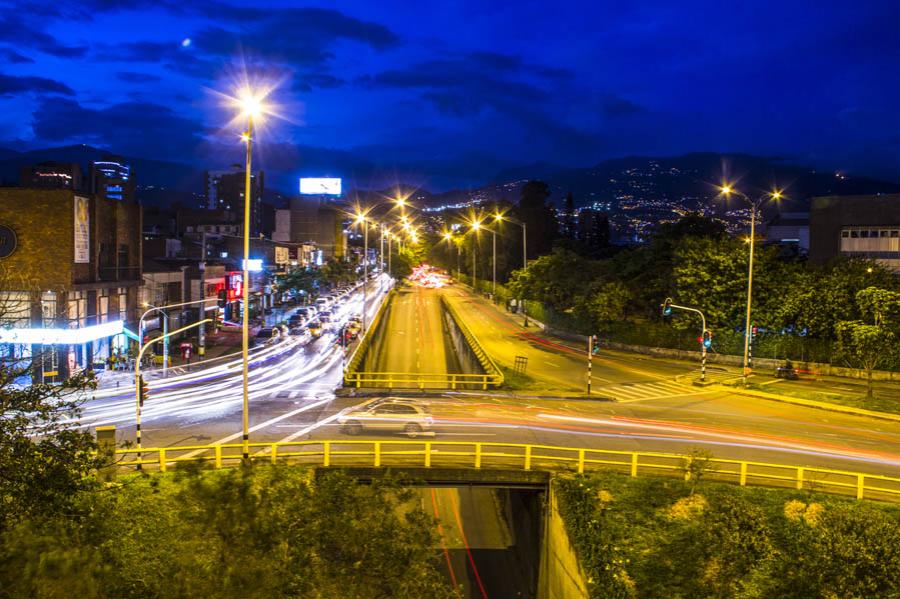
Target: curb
(809,403)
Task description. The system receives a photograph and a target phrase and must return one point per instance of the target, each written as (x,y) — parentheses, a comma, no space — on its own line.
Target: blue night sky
(449,93)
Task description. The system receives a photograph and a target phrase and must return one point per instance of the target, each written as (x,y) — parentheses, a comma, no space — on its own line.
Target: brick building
(71,276)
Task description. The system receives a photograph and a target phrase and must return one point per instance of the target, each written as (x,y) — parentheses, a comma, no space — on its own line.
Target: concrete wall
(560,575)
(468,361)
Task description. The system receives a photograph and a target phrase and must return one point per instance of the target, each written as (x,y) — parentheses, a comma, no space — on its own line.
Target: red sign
(235,286)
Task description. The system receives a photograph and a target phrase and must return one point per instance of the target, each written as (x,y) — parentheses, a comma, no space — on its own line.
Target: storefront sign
(82,230)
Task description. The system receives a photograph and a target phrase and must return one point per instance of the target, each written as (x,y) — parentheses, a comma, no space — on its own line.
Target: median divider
(517,456)
(365,342)
(494,374)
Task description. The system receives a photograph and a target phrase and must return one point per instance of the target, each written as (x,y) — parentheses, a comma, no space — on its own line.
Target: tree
(871,345)
(539,216)
(299,280)
(557,279)
(610,303)
(866,346)
(821,296)
(254,531)
(44,461)
(336,271)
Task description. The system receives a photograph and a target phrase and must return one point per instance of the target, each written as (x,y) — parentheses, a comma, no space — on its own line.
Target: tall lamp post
(755,207)
(500,217)
(251,107)
(476,226)
(361,220)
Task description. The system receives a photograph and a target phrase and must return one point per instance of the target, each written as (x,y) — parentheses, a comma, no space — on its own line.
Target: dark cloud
(13,57)
(310,81)
(136,128)
(134,77)
(615,107)
(11,85)
(19,33)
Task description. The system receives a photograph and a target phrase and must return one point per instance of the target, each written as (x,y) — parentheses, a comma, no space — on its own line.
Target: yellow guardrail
(549,458)
(486,363)
(420,380)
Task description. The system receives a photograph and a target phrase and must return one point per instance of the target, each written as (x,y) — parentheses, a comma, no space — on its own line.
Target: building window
(854,234)
(845,234)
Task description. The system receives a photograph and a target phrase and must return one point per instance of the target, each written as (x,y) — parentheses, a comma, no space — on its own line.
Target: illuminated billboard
(318,186)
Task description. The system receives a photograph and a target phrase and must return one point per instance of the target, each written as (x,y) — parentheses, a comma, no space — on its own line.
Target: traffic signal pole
(139,391)
(705,334)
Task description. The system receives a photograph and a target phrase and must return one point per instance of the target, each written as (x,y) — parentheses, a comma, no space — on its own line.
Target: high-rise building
(111,179)
(51,175)
(225,191)
(312,220)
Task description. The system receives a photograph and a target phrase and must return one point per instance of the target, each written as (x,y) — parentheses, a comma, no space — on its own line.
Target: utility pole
(201,331)
(590,344)
(494,284)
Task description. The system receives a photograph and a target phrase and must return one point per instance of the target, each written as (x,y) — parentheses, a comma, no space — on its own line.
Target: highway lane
(288,378)
(411,339)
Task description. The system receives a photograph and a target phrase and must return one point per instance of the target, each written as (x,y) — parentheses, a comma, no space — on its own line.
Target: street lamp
(500,217)
(755,207)
(251,106)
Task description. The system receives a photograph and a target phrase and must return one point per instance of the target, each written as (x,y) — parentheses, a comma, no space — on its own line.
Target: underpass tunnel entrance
(489,538)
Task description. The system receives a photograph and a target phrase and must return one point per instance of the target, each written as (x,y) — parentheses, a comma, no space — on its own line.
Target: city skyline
(383,92)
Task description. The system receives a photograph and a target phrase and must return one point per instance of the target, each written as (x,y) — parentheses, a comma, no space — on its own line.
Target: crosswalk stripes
(639,391)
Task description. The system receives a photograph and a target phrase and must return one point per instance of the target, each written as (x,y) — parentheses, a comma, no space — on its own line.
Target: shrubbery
(652,538)
(252,532)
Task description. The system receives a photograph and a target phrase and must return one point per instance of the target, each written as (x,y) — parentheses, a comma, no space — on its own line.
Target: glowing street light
(499,217)
(251,106)
(755,207)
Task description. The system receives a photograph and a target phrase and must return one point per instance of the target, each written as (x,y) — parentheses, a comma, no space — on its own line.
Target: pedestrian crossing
(643,391)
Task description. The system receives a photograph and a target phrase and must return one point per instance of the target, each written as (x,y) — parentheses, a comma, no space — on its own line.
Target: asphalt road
(411,339)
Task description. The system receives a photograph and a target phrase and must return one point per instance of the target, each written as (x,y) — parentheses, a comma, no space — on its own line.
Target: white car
(391,415)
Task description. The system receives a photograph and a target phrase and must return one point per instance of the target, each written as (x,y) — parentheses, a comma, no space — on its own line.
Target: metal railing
(518,456)
(421,380)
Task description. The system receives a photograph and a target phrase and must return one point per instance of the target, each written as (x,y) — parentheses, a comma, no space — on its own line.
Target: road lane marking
(261,425)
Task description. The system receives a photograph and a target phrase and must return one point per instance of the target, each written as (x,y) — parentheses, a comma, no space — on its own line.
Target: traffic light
(143,390)
(223,298)
(667,307)
(707,338)
(595,344)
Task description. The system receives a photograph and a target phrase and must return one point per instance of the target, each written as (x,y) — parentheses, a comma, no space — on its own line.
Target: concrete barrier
(466,343)
(560,574)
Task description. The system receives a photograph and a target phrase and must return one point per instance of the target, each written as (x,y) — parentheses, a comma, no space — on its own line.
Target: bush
(249,532)
(651,537)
